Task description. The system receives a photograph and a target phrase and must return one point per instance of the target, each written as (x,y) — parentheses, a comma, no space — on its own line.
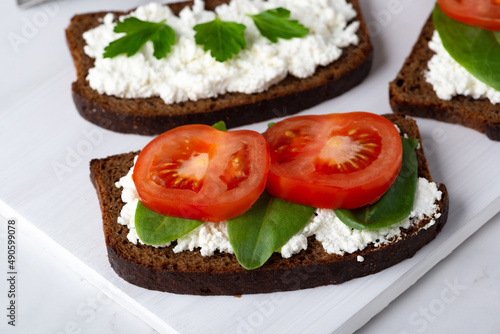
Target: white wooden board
(46,148)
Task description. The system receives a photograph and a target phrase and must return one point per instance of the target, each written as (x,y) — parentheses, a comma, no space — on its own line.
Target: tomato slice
(198,172)
(479,13)
(333,161)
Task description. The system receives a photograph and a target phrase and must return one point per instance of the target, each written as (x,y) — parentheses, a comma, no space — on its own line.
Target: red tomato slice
(198,172)
(479,13)
(333,161)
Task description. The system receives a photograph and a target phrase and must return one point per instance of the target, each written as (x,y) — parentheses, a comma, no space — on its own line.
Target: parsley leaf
(220,125)
(222,38)
(137,34)
(275,23)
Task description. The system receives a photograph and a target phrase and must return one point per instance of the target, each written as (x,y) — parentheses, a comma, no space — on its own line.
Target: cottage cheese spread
(190,73)
(335,236)
(449,78)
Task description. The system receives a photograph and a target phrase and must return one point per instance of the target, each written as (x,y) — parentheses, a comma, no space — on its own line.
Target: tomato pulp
(333,161)
(479,13)
(198,172)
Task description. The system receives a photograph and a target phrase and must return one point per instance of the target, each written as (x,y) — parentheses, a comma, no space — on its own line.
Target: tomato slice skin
(200,173)
(333,161)
(479,13)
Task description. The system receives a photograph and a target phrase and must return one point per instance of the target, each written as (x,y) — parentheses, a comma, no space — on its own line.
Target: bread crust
(411,94)
(191,273)
(151,116)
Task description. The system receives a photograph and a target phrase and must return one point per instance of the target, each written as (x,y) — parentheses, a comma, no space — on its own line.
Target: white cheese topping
(190,73)
(335,236)
(449,78)
(338,238)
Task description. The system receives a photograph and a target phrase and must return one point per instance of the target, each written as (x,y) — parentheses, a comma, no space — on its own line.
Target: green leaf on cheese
(137,34)
(476,49)
(397,202)
(222,38)
(156,229)
(275,23)
(265,228)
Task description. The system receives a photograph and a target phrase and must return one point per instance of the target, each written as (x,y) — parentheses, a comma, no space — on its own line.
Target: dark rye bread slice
(152,116)
(409,93)
(191,273)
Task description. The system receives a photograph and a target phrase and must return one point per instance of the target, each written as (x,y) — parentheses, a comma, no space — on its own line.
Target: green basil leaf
(476,49)
(221,38)
(220,125)
(156,229)
(397,202)
(275,23)
(137,34)
(265,228)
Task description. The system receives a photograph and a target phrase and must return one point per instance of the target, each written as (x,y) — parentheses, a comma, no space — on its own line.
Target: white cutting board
(46,148)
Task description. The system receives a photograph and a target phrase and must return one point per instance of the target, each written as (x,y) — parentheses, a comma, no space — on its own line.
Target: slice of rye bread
(189,272)
(409,93)
(152,116)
